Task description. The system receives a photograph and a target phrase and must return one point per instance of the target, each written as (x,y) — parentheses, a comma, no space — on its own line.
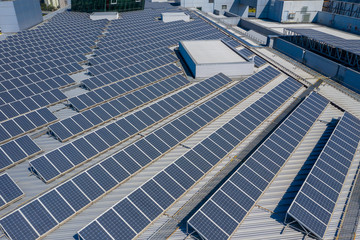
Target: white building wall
(204,4)
(28,13)
(19,15)
(277,10)
(304,11)
(229,69)
(8,20)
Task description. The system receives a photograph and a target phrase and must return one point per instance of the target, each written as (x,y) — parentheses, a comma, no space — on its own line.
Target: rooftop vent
(175,16)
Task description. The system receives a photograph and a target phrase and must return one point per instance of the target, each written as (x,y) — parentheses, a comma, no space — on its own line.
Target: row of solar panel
(9,191)
(228,206)
(146,26)
(129,56)
(25,123)
(122,129)
(24,86)
(54,29)
(49,36)
(329,39)
(127,33)
(18,45)
(136,68)
(246,53)
(122,62)
(148,73)
(143,79)
(19,93)
(105,54)
(16,151)
(147,202)
(18,54)
(30,62)
(173,40)
(74,32)
(78,192)
(118,35)
(39,76)
(46,44)
(315,202)
(111,41)
(29,104)
(115,90)
(34,57)
(115,38)
(81,122)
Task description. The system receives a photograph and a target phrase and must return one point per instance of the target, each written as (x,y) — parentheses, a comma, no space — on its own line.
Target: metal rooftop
(104,135)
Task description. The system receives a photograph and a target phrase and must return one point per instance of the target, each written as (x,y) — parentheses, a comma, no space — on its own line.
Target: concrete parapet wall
(247,24)
(341,22)
(331,69)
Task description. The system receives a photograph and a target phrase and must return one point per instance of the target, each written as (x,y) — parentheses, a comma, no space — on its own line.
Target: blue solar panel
(245,186)
(88,186)
(77,200)
(17,227)
(56,205)
(38,217)
(95,232)
(104,179)
(315,201)
(9,191)
(115,226)
(73,195)
(131,215)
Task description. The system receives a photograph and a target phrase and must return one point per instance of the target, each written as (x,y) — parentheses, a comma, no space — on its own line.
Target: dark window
(224,6)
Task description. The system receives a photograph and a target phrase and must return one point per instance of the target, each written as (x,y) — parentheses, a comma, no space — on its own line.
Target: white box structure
(104,15)
(175,16)
(206,58)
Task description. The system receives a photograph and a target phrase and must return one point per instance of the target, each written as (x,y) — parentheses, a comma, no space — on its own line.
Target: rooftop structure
(104,15)
(105,135)
(19,15)
(175,16)
(90,6)
(206,58)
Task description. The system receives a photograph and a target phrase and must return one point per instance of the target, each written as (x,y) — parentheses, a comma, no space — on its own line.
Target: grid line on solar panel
(314,204)
(62,130)
(115,90)
(184,177)
(123,125)
(78,199)
(241,189)
(46,99)
(16,151)
(9,191)
(21,125)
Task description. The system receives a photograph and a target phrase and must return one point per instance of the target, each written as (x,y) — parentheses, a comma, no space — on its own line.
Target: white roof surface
(211,51)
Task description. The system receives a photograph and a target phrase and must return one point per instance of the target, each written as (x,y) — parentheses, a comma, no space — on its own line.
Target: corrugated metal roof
(259,218)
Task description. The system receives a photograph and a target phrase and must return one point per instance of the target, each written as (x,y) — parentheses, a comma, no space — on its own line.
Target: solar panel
(78,199)
(259,61)
(336,41)
(315,202)
(17,151)
(9,190)
(153,197)
(245,186)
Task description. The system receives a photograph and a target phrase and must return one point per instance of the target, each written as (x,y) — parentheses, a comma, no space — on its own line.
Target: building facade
(277,10)
(107,5)
(19,15)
